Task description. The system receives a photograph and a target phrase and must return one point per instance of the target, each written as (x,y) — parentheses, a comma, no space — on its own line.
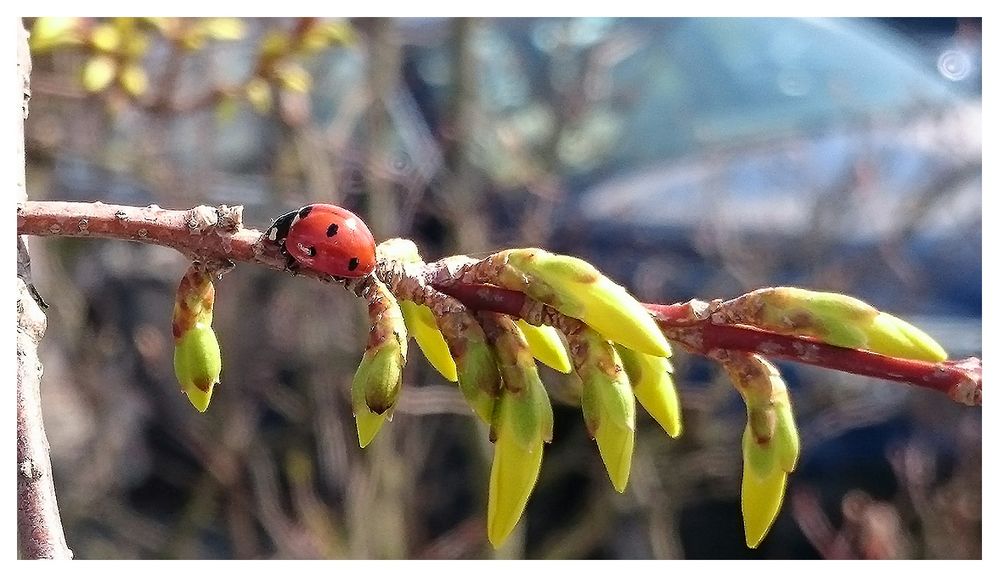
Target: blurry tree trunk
(39,529)
(462,189)
(384,68)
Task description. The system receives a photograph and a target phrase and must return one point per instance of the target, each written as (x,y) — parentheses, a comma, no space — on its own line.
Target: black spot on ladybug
(332,229)
(310,250)
(354,262)
(305,211)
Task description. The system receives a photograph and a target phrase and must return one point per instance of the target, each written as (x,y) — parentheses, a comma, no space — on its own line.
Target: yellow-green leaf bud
(522,424)
(763,482)
(835,319)
(577,289)
(197,362)
(421,325)
(546,346)
(608,401)
(197,359)
(770,443)
(652,382)
(377,382)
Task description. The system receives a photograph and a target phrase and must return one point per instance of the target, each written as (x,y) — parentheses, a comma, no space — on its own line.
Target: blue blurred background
(687,158)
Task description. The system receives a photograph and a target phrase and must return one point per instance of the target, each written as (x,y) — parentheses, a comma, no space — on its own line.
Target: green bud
(763,483)
(521,426)
(378,379)
(652,382)
(607,400)
(546,346)
(770,443)
(577,289)
(368,422)
(377,382)
(197,362)
(421,325)
(475,362)
(835,319)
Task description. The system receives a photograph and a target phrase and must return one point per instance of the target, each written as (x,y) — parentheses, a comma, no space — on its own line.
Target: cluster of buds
(197,360)
(575,319)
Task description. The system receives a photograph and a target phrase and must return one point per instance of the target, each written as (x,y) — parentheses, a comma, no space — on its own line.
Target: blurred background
(686,158)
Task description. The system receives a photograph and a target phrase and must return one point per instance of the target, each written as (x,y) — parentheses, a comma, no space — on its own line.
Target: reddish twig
(690,325)
(216,235)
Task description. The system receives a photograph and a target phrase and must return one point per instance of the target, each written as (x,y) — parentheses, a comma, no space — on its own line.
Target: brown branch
(39,528)
(690,325)
(216,235)
(203,233)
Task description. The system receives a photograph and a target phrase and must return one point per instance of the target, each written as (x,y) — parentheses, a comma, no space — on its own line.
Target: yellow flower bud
(607,400)
(197,359)
(770,443)
(521,427)
(835,319)
(377,382)
(577,289)
(197,362)
(652,382)
(546,346)
(421,325)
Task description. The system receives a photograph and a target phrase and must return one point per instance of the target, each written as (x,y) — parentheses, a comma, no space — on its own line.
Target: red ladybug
(325,238)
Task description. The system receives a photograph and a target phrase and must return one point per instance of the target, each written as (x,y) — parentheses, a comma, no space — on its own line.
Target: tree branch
(39,528)
(691,325)
(217,235)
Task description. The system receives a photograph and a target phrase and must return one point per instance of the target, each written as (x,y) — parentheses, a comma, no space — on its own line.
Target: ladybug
(325,238)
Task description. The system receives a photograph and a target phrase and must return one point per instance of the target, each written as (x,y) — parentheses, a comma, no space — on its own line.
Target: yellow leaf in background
(224,28)
(226,109)
(105,37)
(133,79)
(275,44)
(294,77)
(48,33)
(98,73)
(258,92)
(327,34)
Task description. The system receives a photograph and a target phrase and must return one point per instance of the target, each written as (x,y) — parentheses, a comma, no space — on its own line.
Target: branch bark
(39,528)
(216,234)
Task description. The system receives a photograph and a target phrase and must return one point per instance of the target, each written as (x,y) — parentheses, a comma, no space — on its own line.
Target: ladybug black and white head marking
(278,231)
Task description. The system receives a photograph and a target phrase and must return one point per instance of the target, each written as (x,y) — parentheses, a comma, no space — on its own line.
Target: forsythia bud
(652,382)
(835,319)
(522,423)
(378,380)
(197,359)
(577,289)
(608,401)
(475,362)
(770,442)
(546,346)
(422,326)
(197,362)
